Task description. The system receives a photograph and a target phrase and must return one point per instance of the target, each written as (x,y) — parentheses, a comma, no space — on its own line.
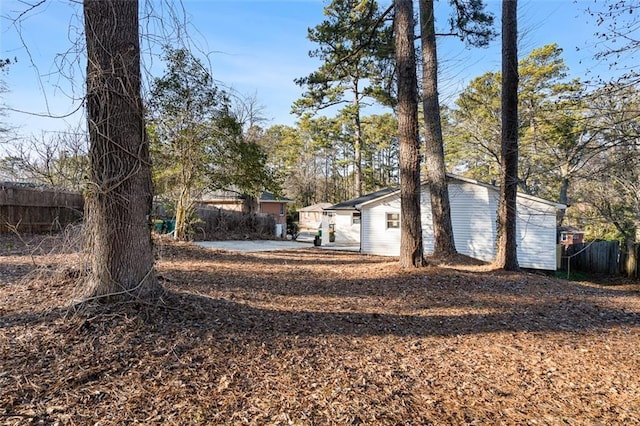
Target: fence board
(603,257)
(28,209)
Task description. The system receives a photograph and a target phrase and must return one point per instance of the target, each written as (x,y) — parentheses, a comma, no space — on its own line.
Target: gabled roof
(230,197)
(558,206)
(357,203)
(315,207)
(268,197)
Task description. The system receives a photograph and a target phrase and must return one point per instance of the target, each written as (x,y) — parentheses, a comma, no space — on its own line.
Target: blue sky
(257,47)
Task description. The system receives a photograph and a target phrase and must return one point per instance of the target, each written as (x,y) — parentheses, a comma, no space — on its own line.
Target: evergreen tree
(507,253)
(471,23)
(188,113)
(411,248)
(554,147)
(352,41)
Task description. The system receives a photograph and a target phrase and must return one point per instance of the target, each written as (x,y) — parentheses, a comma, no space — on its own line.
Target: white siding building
(474,209)
(341,223)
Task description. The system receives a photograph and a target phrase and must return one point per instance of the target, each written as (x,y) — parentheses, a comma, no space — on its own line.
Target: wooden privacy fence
(604,257)
(33,209)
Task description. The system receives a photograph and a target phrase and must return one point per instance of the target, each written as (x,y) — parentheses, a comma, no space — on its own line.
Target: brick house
(568,235)
(268,204)
(310,217)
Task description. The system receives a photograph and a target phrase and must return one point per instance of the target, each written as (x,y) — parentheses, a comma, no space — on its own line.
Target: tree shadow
(180,312)
(302,256)
(217,315)
(310,293)
(313,275)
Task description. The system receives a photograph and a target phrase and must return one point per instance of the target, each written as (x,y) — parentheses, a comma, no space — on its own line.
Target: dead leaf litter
(314,337)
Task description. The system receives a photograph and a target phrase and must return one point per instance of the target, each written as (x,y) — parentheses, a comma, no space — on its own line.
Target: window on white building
(393,220)
(355,218)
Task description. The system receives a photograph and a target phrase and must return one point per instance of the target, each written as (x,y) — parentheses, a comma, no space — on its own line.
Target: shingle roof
(315,207)
(351,204)
(268,196)
(235,196)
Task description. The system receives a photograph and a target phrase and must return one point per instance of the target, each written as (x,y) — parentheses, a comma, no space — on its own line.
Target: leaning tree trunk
(119,191)
(411,250)
(507,254)
(444,243)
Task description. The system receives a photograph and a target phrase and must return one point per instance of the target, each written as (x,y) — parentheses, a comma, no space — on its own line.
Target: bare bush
(218,224)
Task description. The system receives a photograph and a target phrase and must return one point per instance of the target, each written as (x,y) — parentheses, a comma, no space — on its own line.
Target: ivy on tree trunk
(119,192)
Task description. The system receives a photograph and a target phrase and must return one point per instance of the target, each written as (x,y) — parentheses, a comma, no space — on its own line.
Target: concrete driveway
(255,245)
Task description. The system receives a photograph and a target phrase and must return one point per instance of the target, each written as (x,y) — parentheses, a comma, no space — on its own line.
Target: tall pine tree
(471,23)
(411,248)
(507,254)
(352,40)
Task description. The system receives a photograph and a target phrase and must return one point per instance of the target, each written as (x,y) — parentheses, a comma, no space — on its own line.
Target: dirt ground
(313,337)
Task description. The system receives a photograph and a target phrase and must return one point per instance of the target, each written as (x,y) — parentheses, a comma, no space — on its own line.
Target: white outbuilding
(374,221)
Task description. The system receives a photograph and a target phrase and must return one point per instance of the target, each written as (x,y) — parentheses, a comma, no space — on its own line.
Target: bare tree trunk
(119,193)
(564,199)
(631,264)
(507,254)
(444,243)
(185,200)
(358,147)
(411,250)
(184,208)
(250,203)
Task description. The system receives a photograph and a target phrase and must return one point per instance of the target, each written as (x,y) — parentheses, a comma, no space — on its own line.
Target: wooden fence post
(11,207)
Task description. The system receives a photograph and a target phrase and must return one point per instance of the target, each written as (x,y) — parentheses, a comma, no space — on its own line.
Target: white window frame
(356,218)
(392,220)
